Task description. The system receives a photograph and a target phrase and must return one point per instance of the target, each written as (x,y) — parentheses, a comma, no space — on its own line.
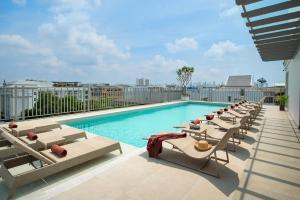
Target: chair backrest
(244,119)
(23,147)
(223,142)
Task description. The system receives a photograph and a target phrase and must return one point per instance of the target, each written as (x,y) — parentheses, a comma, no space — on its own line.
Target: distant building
(123,85)
(13,101)
(240,81)
(29,83)
(171,86)
(142,82)
(139,82)
(113,92)
(65,84)
(147,82)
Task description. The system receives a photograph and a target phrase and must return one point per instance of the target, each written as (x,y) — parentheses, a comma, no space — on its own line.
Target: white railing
(21,102)
(223,94)
(28,102)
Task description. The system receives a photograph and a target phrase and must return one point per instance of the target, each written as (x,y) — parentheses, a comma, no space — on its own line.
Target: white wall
(293,69)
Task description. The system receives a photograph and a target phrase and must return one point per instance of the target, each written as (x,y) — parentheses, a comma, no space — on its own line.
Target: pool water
(131,127)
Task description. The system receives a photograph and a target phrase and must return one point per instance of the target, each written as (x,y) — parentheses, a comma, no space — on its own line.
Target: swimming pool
(132,126)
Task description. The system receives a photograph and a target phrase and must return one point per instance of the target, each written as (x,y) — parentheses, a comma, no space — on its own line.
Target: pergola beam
(272,8)
(245,2)
(275,27)
(276,34)
(270,20)
(279,39)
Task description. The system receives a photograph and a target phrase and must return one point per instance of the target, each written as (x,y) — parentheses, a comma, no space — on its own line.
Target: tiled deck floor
(273,169)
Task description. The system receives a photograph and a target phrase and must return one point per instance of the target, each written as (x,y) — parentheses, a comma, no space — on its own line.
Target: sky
(117,41)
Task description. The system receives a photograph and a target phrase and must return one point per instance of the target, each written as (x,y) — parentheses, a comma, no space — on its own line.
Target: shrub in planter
(282,100)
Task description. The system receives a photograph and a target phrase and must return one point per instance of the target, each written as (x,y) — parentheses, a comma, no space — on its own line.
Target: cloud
(71,24)
(47,28)
(16,44)
(229,12)
(19,2)
(28,57)
(182,44)
(222,48)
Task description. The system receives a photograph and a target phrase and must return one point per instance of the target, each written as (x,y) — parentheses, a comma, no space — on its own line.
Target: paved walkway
(273,169)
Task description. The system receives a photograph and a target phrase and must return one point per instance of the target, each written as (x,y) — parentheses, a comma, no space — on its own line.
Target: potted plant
(184,76)
(282,100)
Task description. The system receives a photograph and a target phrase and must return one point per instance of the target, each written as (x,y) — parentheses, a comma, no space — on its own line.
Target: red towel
(32,135)
(209,117)
(196,121)
(12,125)
(58,150)
(219,112)
(154,146)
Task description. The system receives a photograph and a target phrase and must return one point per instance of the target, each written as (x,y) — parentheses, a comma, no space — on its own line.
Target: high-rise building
(140,82)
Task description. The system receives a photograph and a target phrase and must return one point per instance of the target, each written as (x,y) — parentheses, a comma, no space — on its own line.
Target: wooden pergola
(275,28)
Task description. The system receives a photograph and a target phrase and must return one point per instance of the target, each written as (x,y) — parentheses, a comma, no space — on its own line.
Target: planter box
(281,107)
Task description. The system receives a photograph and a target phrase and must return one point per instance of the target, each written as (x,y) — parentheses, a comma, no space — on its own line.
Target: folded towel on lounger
(154,146)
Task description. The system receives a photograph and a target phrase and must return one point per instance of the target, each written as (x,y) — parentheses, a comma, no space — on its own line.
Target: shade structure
(275,27)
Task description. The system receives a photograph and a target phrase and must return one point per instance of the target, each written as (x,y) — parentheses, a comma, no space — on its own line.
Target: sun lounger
(78,153)
(210,132)
(186,146)
(36,126)
(242,119)
(225,125)
(217,121)
(45,140)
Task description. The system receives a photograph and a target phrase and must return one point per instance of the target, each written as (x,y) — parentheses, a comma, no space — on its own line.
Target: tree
(48,104)
(184,76)
(261,82)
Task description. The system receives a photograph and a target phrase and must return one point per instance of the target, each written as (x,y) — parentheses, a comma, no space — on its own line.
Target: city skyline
(116,42)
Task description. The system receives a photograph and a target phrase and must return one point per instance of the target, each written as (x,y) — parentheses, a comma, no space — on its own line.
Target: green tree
(184,76)
(48,104)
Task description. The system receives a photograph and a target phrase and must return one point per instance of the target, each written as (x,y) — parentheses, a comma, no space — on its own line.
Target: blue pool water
(131,127)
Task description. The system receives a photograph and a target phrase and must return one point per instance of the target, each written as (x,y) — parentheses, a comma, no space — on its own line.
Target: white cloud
(92,43)
(47,28)
(222,48)
(73,37)
(72,26)
(230,12)
(19,2)
(182,44)
(17,44)
(26,53)
(162,65)
(28,56)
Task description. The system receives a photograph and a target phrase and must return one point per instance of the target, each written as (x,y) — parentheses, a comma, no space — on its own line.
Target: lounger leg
(239,136)
(221,159)
(11,192)
(204,165)
(216,163)
(120,149)
(234,148)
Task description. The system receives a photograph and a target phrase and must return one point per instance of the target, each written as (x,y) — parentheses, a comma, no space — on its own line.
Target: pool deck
(265,166)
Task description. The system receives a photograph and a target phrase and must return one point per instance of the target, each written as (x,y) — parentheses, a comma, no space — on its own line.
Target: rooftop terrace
(265,165)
